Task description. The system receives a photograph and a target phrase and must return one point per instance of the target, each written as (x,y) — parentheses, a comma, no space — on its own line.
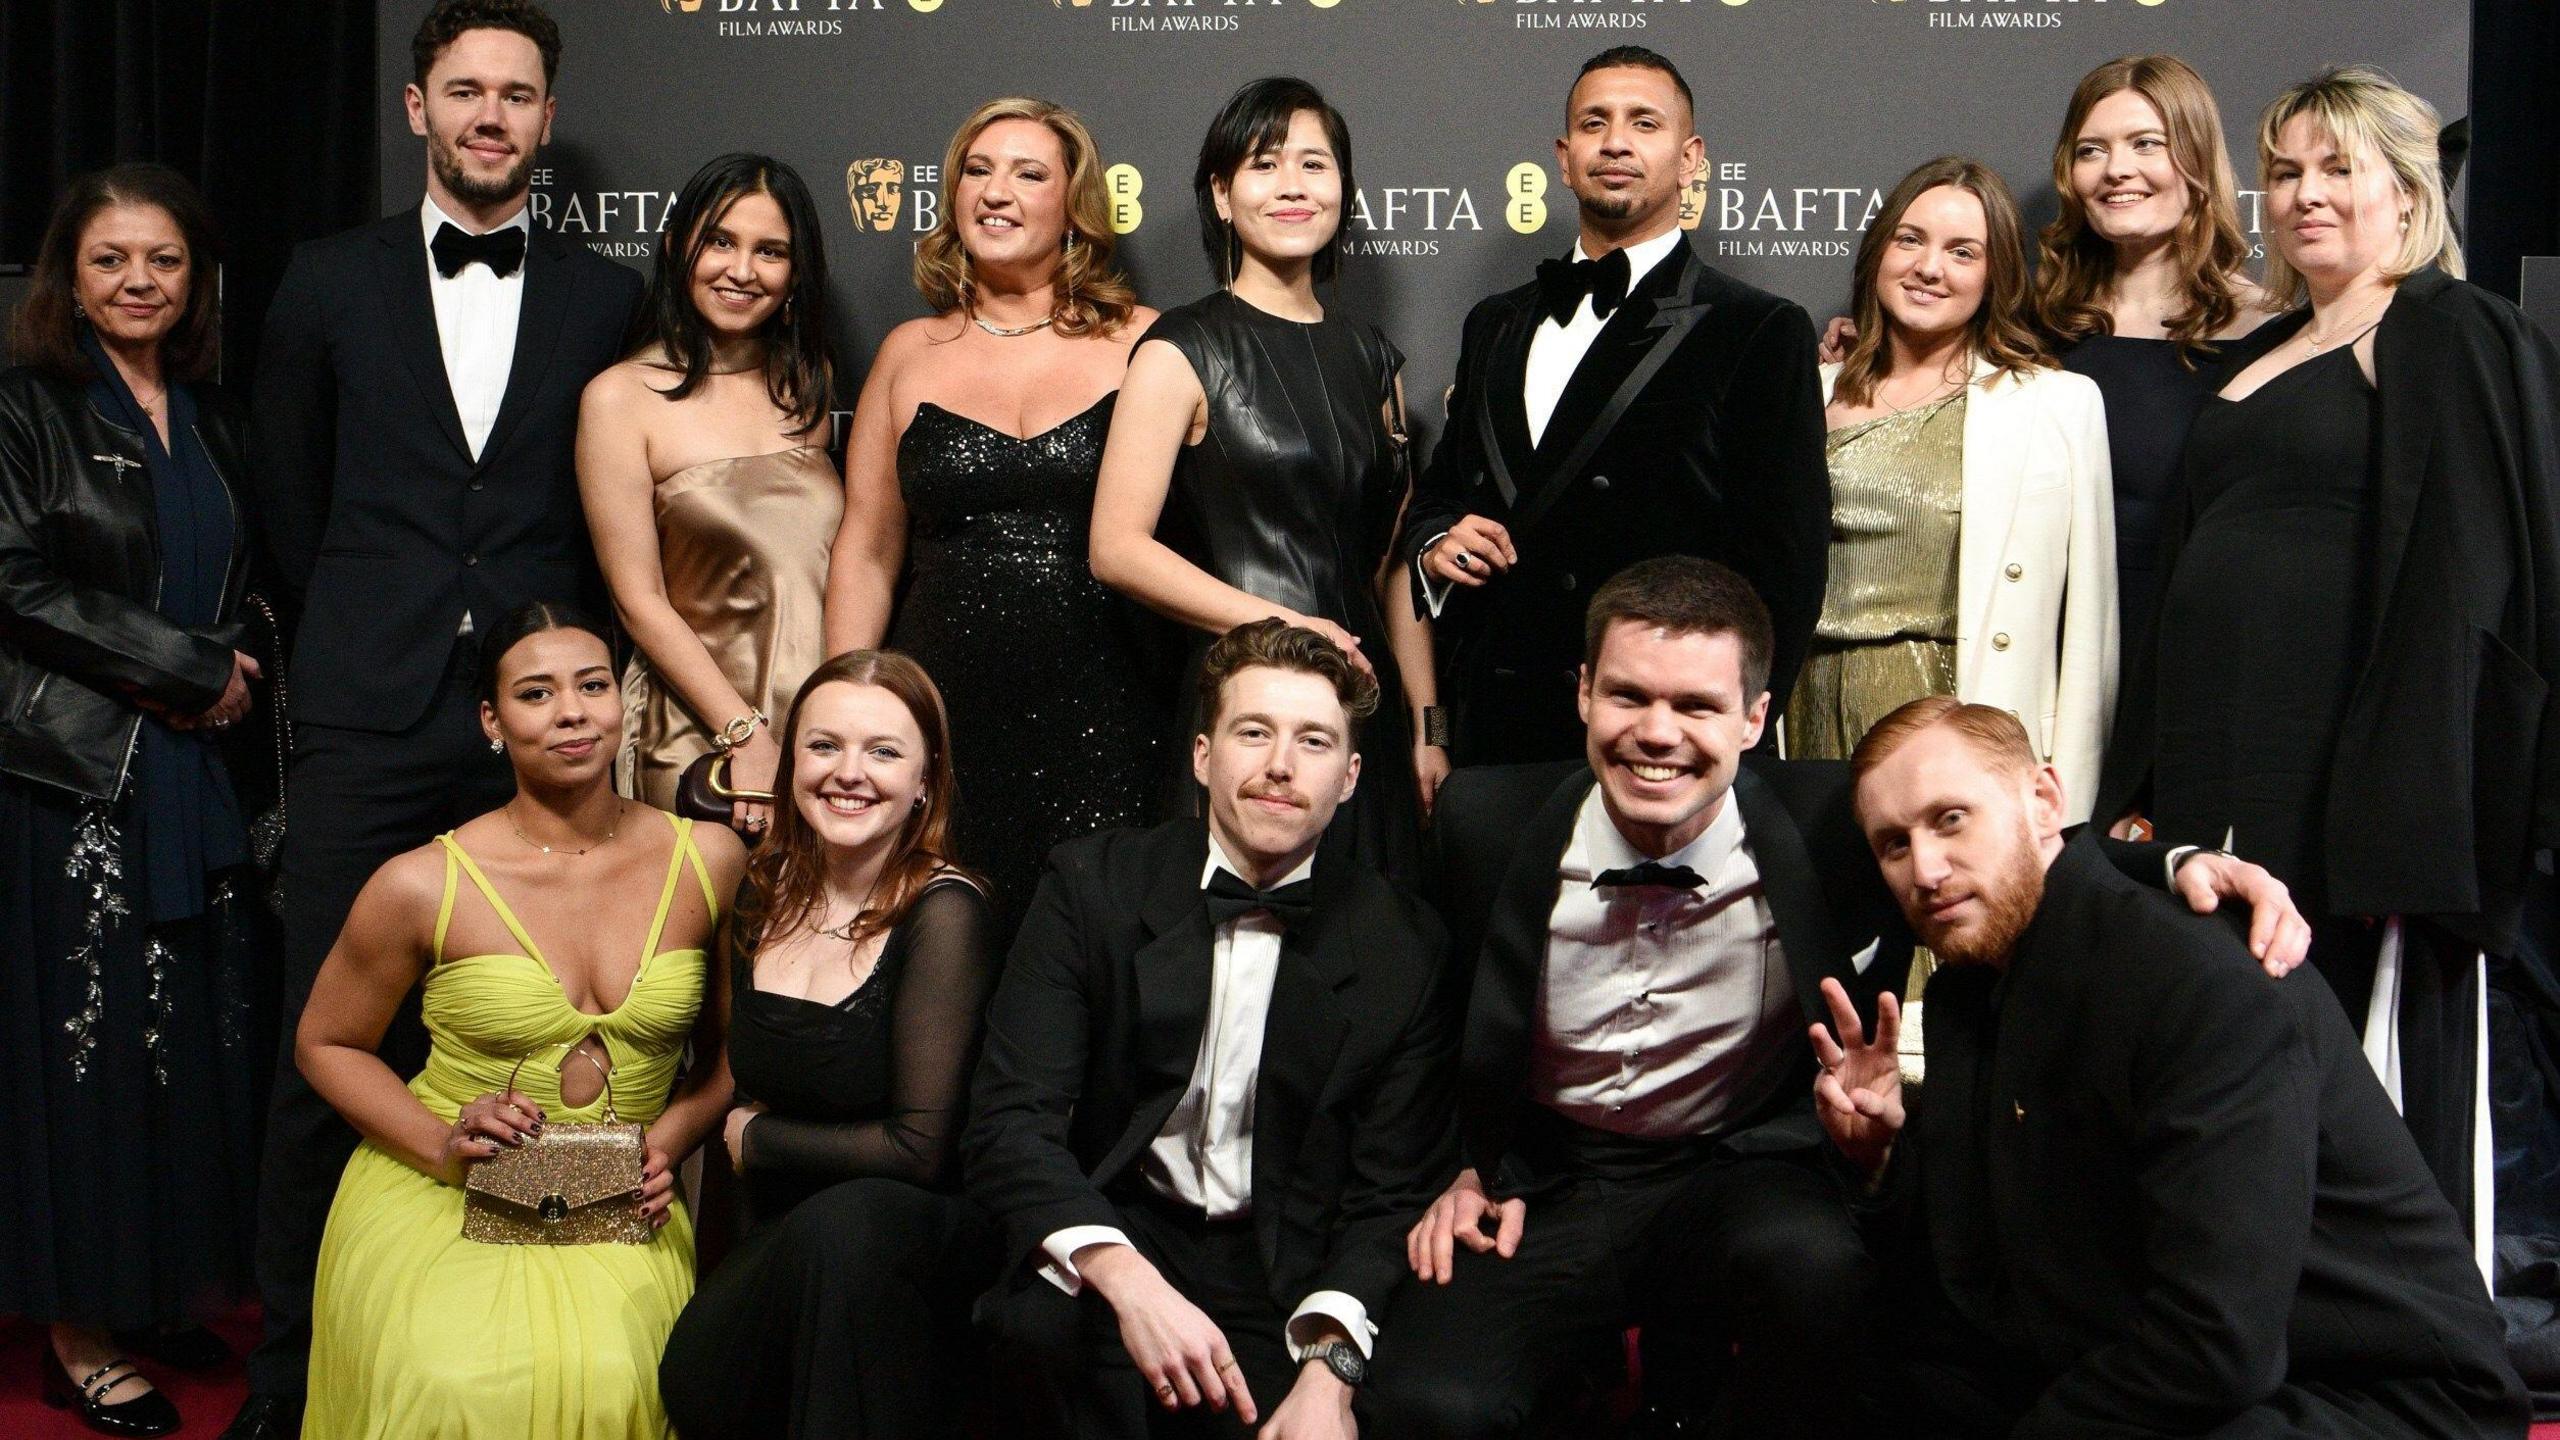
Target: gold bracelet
(1435,725)
(738,732)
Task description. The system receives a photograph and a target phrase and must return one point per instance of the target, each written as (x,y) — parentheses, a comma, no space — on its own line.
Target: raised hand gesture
(1858,1095)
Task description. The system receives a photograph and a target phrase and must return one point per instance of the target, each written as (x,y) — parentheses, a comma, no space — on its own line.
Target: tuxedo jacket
(2036,616)
(1693,426)
(1096,1024)
(2170,1189)
(380,524)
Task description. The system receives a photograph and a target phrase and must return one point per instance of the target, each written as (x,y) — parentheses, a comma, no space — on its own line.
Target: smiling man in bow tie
(1216,1084)
(1631,402)
(416,404)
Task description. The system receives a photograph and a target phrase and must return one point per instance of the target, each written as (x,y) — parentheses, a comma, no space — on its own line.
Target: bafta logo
(876,186)
(674,6)
(1524,197)
(1693,200)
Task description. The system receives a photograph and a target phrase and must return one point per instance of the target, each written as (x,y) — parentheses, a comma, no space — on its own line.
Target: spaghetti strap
(701,870)
(444,910)
(667,891)
(488,891)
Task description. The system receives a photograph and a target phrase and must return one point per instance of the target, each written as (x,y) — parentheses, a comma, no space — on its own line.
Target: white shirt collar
(431,215)
(1641,256)
(1599,844)
(1218,861)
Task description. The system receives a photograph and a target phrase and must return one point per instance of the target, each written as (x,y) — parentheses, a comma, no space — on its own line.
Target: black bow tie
(502,249)
(1651,872)
(1563,283)
(1229,896)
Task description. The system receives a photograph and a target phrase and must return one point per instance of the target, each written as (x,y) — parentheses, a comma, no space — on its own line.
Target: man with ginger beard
(416,405)
(1650,931)
(2144,1190)
(1216,1085)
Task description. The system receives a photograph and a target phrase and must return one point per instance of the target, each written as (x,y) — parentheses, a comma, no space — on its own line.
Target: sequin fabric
(97,862)
(1055,730)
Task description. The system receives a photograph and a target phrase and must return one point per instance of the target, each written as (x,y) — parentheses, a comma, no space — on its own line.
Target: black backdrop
(271,106)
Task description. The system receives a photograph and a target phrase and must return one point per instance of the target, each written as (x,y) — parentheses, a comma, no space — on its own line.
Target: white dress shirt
(475,327)
(1204,1155)
(1663,1012)
(1556,349)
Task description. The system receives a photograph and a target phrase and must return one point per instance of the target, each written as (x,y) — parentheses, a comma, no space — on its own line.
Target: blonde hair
(1093,297)
(2077,264)
(2363,111)
(1999,332)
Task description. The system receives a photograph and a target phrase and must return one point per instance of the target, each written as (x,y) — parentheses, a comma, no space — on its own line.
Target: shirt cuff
(1061,1249)
(2176,854)
(1343,1309)
(1435,593)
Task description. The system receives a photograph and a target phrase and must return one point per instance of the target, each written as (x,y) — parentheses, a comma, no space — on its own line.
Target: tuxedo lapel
(1806,933)
(1302,1035)
(1169,972)
(1503,1003)
(1502,411)
(409,312)
(1637,342)
(547,282)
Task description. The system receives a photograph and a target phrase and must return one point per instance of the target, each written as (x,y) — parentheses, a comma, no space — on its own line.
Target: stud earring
(497,747)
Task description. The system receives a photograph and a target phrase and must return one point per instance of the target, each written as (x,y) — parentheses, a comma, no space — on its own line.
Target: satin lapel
(1806,934)
(410,313)
(547,283)
(1302,1035)
(1502,412)
(1643,355)
(1504,1000)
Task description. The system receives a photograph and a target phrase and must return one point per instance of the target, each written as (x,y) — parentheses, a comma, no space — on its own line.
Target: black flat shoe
(181,1347)
(149,1413)
(266,1417)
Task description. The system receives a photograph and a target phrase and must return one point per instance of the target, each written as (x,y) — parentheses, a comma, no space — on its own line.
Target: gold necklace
(2317,344)
(1008,332)
(610,832)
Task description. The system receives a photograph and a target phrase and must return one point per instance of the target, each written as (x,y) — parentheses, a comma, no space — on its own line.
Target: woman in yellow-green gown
(569,920)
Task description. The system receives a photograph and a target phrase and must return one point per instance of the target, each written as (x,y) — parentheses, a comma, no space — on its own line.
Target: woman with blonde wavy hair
(2141,273)
(2362,602)
(972,463)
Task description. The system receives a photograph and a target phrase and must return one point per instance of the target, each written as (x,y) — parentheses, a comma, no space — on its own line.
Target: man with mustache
(2144,1191)
(1632,401)
(1216,1083)
(416,406)
(1650,931)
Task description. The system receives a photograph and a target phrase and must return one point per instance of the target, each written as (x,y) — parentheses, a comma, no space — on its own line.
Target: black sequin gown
(1293,496)
(1056,730)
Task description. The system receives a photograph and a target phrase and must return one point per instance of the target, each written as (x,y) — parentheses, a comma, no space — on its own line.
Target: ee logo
(1524,197)
(1123,183)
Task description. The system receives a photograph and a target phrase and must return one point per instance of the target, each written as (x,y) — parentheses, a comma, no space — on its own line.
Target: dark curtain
(2515,138)
(268,105)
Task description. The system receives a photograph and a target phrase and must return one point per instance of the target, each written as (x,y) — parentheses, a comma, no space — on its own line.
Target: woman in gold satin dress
(569,919)
(702,459)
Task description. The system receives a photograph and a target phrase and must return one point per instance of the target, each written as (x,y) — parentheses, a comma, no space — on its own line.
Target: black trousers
(1759,1251)
(357,799)
(1066,1352)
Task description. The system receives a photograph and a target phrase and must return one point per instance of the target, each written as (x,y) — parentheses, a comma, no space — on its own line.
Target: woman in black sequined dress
(1251,471)
(971,464)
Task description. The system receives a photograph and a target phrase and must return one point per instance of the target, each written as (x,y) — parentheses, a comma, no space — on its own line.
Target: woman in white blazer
(1973,535)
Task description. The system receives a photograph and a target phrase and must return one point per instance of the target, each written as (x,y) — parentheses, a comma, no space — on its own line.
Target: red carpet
(205,1400)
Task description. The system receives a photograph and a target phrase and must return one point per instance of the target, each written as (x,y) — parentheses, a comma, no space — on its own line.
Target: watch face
(1346,1363)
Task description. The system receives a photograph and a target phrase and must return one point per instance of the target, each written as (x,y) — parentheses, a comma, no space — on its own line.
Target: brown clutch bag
(703,793)
(573,1184)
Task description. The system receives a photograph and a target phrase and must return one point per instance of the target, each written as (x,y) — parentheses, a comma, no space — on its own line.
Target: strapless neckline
(674,475)
(1031,439)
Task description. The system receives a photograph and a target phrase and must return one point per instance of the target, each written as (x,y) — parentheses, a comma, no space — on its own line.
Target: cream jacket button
(2015,570)
(2000,641)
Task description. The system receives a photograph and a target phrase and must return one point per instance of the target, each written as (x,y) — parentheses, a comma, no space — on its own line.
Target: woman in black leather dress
(1251,470)
(972,463)
(862,958)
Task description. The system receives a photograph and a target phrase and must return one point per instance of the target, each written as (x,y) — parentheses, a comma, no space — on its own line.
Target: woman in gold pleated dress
(702,461)
(570,931)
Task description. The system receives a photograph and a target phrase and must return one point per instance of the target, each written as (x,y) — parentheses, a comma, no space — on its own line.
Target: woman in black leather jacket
(127,1056)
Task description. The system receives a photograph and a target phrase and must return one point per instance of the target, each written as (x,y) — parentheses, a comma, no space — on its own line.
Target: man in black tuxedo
(1653,930)
(1216,1084)
(2144,1191)
(1632,402)
(416,405)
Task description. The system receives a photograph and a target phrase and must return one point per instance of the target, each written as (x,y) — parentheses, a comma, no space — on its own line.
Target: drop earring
(497,747)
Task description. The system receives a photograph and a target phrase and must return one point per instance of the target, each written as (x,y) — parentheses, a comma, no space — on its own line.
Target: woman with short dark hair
(125,963)
(1257,431)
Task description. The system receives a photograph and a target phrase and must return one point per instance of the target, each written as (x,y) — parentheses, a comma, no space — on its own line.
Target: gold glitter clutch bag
(573,1184)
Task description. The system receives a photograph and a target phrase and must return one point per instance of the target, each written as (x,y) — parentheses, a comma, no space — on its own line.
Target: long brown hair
(2076,264)
(46,332)
(786,878)
(1093,297)
(2001,334)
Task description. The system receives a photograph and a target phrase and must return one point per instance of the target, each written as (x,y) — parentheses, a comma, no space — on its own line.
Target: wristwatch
(1345,1361)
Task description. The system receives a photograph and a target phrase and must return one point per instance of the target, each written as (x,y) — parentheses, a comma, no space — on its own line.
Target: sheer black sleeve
(936,1015)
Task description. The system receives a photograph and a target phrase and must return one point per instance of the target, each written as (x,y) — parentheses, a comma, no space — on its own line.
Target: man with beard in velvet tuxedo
(1651,930)
(1631,402)
(2145,1191)
(416,411)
